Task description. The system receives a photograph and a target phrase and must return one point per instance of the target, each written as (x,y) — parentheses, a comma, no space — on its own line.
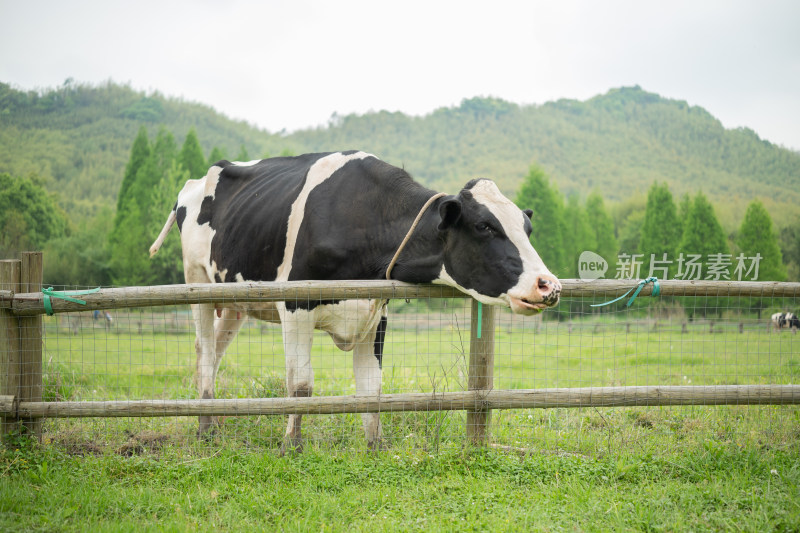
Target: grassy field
(633,468)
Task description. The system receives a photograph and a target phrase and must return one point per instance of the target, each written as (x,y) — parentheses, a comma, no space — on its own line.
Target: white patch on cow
(321,170)
(512,219)
(196,239)
(246,163)
(446,279)
(214,271)
(211,180)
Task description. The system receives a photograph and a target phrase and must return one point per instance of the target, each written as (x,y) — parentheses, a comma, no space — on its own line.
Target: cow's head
(488,253)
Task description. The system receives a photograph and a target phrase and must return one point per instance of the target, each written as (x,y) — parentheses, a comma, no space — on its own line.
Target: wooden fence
(22,306)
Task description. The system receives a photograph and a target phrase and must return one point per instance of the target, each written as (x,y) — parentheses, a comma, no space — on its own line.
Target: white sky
(292,64)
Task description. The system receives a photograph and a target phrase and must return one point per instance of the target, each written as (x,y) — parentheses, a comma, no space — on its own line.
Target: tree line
(662,238)
(76,139)
(109,248)
(653,235)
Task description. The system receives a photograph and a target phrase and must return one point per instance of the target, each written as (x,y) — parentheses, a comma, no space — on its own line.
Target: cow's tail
(164,232)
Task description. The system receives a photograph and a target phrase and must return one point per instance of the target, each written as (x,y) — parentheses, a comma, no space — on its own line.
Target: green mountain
(77,138)
(618,144)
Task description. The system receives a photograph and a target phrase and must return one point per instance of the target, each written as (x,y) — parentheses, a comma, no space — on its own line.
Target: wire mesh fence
(120,352)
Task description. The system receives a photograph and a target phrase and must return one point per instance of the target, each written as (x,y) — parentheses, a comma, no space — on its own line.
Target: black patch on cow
(308,305)
(217,277)
(471,183)
(181,216)
(355,220)
(527,226)
(250,215)
(206,210)
(380,335)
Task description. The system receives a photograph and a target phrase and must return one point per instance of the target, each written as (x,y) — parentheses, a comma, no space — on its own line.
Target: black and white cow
(786,320)
(791,321)
(340,216)
(778,321)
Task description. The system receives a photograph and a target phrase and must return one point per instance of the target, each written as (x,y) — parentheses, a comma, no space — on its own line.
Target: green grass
(621,469)
(712,487)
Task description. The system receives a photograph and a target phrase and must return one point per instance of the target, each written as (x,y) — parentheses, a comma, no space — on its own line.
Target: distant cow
(778,321)
(792,321)
(785,320)
(343,216)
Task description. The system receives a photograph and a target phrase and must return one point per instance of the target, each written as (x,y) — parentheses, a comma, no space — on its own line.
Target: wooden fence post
(481,369)
(9,342)
(30,342)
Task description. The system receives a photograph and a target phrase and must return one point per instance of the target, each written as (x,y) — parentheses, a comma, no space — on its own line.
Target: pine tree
(579,235)
(217,154)
(548,207)
(756,237)
(191,156)
(603,227)
(683,209)
(790,248)
(704,241)
(703,234)
(661,229)
(139,154)
(130,237)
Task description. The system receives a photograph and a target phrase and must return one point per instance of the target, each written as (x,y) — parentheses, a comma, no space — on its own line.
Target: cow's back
(249,212)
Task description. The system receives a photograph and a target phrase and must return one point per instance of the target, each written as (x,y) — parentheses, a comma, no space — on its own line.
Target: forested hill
(617,143)
(77,138)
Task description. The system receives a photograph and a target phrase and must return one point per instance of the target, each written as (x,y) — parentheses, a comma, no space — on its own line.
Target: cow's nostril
(548,288)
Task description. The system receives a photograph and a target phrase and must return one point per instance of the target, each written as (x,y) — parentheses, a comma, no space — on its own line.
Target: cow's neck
(421,259)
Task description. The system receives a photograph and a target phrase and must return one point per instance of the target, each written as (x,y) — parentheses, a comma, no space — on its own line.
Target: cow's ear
(529,213)
(450,211)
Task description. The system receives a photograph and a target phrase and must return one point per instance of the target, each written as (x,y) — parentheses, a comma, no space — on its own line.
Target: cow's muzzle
(546,293)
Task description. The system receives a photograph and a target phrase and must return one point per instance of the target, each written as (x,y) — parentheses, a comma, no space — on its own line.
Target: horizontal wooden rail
(444,401)
(26,304)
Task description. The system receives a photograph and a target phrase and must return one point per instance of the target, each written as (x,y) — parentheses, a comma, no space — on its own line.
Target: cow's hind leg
(225,329)
(206,358)
(226,326)
(367,364)
(298,336)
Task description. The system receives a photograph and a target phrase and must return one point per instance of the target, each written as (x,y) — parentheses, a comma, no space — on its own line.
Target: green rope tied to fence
(638,288)
(480,318)
(64,295)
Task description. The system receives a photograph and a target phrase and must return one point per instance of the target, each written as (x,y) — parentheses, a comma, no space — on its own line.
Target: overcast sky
(292,64)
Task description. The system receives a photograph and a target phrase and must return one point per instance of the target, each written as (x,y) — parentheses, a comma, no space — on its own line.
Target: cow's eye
(483,227)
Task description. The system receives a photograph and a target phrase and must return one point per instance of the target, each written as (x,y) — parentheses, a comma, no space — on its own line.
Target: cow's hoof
(291,446)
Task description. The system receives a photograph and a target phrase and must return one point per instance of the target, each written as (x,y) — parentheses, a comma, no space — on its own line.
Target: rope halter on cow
(410,231)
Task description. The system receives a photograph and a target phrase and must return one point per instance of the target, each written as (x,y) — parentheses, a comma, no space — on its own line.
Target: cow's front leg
(367,364)
(298,337)
(206,358)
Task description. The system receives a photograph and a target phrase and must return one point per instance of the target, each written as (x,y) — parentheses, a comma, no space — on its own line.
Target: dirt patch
(147,441)
(77,445)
